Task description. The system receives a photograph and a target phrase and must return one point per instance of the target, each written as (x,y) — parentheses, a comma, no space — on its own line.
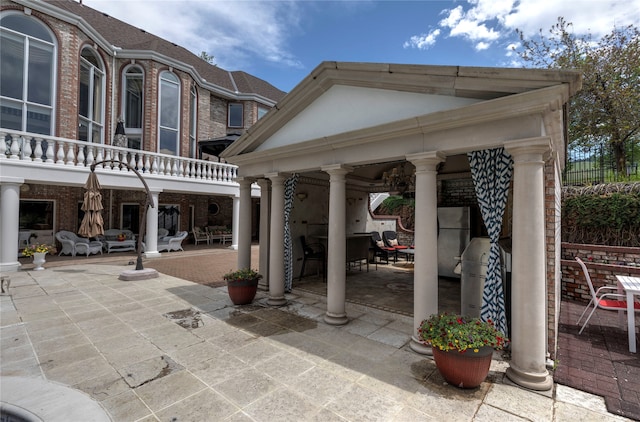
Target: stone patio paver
(244,363)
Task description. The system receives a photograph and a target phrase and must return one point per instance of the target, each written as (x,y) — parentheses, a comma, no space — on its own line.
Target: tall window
(169,113)
(169,217)
(132,105)
(236,111)
(193,147)
(27,72)
(91,107)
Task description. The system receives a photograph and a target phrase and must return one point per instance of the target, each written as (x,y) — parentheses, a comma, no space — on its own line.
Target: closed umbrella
(92,224)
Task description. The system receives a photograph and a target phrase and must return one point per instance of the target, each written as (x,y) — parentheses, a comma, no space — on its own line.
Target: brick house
(69,73)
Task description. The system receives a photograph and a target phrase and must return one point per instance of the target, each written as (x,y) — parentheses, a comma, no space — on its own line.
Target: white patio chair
(172,243)
(608,301)
(200,235)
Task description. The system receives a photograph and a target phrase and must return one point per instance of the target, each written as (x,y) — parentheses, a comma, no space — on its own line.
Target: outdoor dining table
(631,286)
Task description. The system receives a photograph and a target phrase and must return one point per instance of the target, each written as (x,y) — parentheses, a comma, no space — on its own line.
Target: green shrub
(602,215)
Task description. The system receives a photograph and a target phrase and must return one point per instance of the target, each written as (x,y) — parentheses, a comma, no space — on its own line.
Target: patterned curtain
(491,170)
(289,190)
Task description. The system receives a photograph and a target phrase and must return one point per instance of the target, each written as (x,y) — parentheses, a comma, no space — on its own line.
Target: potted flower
(242,285)
(462,346)
(38,253)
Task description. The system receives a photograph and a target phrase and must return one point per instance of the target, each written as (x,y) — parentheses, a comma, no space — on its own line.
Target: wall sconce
(301,196)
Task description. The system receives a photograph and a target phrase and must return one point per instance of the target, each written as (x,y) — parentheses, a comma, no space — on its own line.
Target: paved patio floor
(169,349)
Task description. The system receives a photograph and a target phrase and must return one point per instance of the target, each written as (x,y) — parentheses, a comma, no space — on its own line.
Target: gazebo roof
(361,114)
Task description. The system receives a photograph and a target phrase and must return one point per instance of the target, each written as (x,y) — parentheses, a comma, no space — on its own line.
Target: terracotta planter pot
(242,292)
(463,370)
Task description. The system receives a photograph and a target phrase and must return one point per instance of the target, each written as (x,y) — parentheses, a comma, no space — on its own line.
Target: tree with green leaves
(607,109)
(207,57)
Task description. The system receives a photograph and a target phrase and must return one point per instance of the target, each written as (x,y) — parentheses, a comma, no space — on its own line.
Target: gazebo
(330,141)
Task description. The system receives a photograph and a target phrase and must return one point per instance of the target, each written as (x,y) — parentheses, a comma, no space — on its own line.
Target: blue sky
(283,41)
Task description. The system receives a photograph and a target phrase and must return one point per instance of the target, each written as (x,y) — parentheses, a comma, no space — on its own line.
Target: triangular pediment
(343,98)
(345,108)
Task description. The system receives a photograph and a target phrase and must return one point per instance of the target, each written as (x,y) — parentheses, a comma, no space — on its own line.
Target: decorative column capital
(245,181)
(426,161)
(530,149)
(264,183)
(277,178)
(6,180)
(337,169)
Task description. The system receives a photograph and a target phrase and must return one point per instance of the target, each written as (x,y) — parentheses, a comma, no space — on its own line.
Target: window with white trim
(193,124)
(235,115)
(27,71)
(91,97)
(262,111)
(132,105)
(169,121)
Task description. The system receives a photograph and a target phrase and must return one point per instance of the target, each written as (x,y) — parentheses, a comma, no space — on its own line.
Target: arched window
(91,101)
(169,122)
(132,105)
(193,124)
(27,71)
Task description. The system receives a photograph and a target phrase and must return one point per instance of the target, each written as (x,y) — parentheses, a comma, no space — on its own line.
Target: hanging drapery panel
(491,170)
(289,191)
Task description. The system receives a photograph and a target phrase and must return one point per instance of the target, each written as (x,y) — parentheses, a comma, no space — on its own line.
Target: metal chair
(608,301)
(391,240)
(313,252)
(380,250)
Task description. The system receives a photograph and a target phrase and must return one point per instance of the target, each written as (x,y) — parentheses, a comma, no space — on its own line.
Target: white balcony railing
(50,150)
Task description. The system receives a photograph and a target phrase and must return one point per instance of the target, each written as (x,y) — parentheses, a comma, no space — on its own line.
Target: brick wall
(603,263)
(456,193)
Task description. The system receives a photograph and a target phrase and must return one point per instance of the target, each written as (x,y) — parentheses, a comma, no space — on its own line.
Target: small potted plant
(242,285)
(462,347)
(38,253)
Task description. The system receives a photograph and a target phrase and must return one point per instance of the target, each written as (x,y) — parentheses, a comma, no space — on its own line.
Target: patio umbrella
(92,224)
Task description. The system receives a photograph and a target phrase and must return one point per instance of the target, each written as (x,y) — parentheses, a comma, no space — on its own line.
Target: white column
(276,250)
(242,223)
(425,274)
(9,223)
(151,239)
(265,208)
(336,246)
(528,285)
(235,222)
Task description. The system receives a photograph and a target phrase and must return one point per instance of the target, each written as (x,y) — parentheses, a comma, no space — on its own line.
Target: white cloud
(484,22)
(510,49)
(233,32)
(597,17)
(424,41)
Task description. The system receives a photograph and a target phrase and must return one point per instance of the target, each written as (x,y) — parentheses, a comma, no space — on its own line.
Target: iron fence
(596,165)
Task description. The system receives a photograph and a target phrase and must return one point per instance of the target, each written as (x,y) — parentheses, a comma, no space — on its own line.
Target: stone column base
(276,301)
(10,267)
(534,381)
(419,347)
(335,319)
